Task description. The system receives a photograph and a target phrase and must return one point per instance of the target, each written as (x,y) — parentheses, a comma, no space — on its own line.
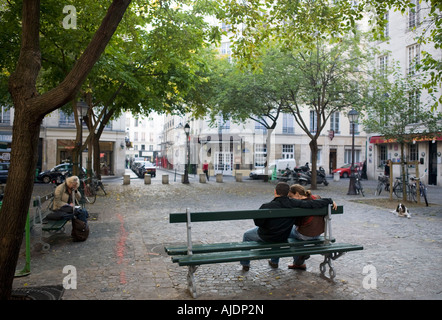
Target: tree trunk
(268,151)
(404,181)
(314,149)
(30,108)
(17,196)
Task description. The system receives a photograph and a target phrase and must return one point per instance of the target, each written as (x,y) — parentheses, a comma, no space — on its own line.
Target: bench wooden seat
(54,225)
(228,256)
(234,246)
(193,255)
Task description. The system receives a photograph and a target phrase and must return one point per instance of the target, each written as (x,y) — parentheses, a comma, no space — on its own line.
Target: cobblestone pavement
(124,256)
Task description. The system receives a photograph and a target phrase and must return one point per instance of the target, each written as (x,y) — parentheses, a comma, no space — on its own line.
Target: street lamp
(353,117)
(186,167)
(82,108)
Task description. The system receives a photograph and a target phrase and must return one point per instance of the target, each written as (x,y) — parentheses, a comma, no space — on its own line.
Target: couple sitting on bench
(280,229)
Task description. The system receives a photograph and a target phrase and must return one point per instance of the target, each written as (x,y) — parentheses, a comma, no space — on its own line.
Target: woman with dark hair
(305,228)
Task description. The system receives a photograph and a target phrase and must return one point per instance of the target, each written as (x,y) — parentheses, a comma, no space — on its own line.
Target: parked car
(52,174)
(147,167)
(344,171)
(4,170)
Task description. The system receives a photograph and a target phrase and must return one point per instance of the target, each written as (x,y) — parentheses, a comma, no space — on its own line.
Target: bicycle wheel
(424,194)
(100,184)
(379,189)
(398,190)
(90,194)
(412,193)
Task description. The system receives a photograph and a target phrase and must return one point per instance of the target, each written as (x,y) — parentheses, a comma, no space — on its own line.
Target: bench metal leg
(191,285)
(328,261)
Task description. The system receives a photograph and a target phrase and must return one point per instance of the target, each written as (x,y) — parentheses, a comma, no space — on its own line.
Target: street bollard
(147,178)
(165,179)
(202,178)
(219,177)
(238,177)
(126,179)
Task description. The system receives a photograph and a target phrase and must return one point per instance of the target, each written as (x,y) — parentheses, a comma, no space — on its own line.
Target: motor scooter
(301,174)
(305,178)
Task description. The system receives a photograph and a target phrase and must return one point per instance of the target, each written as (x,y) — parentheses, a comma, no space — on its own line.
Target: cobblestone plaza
(124,256)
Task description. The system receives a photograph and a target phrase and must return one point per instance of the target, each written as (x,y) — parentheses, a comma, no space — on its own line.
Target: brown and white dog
(402,211)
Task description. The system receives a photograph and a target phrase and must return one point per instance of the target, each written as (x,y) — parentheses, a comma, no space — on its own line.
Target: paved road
(124,257)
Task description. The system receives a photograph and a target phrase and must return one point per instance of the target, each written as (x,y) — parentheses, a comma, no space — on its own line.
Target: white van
(280,164)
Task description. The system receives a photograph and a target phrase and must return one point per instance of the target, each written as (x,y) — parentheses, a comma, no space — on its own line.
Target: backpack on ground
(80,230)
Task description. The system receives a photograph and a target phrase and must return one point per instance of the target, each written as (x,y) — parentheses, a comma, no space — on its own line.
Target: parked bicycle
(87,192)
(411,189)
(422,188)
(383,184)
(97,184)
(398,188)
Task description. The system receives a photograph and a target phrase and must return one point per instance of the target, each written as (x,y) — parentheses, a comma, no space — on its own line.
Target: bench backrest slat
(43,199)
(251,214)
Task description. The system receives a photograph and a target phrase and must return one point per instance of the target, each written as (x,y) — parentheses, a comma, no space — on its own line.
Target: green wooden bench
(42,207)
(193,255)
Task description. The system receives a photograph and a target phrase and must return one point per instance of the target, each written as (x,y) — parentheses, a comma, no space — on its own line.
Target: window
(288,123)
(288,151)
(66,120)
(413,152)
(387,25)
(260,155)
(413,104)
(318,157)
(382,157)
(347,156)
(413,14)
(334,122)
(223,124)
(260,126)
(313,121)
(5,116)
(413,58)
(383,64)
(356,126)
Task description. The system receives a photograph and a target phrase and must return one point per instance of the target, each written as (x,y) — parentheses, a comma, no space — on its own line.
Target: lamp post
(82,108)
(186,167)
(353,117)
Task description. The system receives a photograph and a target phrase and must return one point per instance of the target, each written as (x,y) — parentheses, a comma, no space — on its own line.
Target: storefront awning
(381,139)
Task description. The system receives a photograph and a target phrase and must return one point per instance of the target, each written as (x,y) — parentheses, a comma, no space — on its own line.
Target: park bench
(193,255)
(42,207)
(37,220)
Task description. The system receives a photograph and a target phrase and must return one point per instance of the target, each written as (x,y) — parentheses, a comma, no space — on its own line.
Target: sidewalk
(124,256)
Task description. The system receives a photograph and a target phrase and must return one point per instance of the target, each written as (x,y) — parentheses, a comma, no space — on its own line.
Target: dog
(402,211)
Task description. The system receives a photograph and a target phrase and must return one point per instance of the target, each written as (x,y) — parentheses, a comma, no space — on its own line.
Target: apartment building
(143,137)
(232,148)
(57,140)
(401,45)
